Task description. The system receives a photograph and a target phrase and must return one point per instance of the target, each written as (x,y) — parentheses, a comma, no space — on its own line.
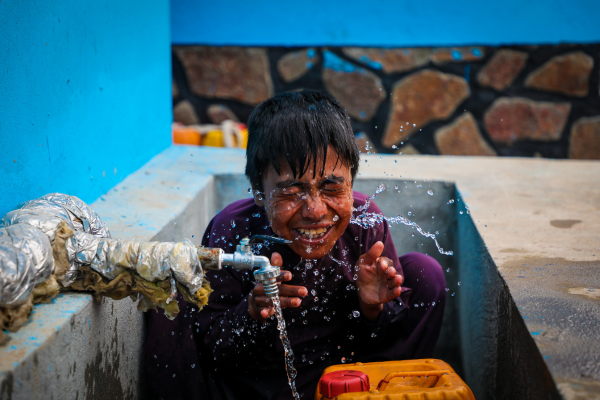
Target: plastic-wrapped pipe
(47,212)
(25,260)
(153,261)
(57,235)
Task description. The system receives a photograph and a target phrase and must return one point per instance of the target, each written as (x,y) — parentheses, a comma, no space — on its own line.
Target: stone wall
(490,101)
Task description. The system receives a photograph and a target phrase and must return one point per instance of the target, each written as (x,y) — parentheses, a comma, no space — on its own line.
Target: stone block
(462,138)
(457,54)
(235,73)
(568,74)
(502,69)
(217,113)
(390,60)
(184,113)
(420,98)
(585,139)
(295,64)
(358,90)
(512,119)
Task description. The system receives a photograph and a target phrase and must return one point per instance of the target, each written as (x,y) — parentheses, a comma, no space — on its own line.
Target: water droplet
(430,192)
(451,201)
(193,365)
(458,283)
(453,294)
(336,218)
(232,223)
(356,313)
(394,146)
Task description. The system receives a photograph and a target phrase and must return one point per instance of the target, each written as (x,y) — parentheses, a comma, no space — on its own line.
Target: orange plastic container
(184,135)
(427,379)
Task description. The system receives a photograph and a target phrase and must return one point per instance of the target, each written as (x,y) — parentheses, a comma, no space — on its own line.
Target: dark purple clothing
(234,356)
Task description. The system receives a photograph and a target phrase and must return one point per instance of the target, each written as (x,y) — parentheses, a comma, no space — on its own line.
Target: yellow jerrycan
(427,379)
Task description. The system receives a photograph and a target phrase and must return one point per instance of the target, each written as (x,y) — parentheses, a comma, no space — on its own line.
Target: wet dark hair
(297,127)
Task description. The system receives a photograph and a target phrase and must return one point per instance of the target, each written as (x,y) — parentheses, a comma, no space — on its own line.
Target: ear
(259,197)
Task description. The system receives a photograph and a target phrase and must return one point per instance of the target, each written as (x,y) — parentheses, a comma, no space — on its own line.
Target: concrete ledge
(76,348)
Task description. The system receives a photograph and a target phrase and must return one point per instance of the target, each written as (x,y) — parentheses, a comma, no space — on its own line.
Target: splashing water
(368,220)
(287,348)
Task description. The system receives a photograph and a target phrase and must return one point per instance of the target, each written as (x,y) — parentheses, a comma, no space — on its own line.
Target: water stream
(287,348)
(368,220)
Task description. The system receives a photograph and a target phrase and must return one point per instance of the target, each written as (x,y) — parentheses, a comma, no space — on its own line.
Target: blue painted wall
(85,94)
(384,22)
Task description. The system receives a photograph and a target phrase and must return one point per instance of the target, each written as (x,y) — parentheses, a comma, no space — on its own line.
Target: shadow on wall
(531,101)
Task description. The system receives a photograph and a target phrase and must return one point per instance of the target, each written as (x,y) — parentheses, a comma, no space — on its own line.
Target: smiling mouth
(313,233)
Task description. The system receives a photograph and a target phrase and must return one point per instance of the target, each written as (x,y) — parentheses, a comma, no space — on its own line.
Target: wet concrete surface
(562,316)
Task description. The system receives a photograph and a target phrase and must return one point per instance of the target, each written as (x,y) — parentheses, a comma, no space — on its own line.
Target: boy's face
(311,212)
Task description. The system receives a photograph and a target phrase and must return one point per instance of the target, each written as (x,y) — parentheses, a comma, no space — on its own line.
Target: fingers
(285,276)
(286,302)
(260,306)
(276,260)
(284,290)
(372,255)
(289,296)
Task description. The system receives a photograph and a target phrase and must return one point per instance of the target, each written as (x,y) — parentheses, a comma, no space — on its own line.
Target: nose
(314,208)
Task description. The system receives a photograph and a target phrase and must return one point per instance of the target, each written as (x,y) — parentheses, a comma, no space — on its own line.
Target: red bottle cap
(335,383)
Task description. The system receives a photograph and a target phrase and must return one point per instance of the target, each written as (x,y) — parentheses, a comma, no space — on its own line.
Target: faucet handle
(267,238)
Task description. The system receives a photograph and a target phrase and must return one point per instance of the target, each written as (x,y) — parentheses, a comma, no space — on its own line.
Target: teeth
(314,233)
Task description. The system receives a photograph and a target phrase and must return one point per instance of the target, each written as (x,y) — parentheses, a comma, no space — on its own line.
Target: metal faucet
(243,258)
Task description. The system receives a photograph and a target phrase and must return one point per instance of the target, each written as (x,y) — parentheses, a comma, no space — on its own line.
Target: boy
(345,292)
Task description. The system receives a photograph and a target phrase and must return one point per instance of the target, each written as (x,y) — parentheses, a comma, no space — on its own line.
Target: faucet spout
(243,258)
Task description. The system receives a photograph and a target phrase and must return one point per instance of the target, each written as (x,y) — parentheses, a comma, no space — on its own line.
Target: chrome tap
(243,258)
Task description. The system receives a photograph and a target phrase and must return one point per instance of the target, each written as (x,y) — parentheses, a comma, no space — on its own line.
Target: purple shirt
(326,329)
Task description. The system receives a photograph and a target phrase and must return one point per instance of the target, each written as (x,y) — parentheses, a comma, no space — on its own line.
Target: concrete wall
(383,22)
(78,348)
(84,94)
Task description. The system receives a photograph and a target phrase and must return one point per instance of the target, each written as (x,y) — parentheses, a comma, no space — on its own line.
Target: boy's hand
(260,306)
(377,282)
